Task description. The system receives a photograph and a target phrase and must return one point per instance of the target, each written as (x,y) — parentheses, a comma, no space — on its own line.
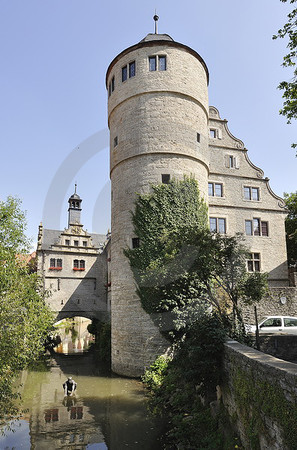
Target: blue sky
(53,115)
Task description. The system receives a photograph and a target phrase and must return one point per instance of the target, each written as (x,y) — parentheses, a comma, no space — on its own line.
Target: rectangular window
(248,228)
(198,137)
(52,262)
(115,141)
(76,243)
(231,161)
(135,242)
(253,262)
(112,84)
(251,193)
(210,189)
(152,63)
(82,264)
(264,228)
(215,189)
(75,264)
(162,63)
(165,178)
(213,133)
(67,242)
(217,225)
(85,243)
(59,262)
(124,73)
(132,69)
(256,227)
(109,89)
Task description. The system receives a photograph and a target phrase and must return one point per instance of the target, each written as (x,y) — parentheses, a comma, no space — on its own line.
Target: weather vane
(156,18)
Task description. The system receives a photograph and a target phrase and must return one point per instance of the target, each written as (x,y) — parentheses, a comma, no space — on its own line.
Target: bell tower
(74,209)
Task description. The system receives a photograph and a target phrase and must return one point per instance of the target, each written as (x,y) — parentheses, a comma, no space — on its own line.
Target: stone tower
(158,120)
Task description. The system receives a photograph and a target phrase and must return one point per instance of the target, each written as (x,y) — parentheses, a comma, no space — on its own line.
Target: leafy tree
(24,317)
(291,227)
(167,222)
(180,267)
(289,30)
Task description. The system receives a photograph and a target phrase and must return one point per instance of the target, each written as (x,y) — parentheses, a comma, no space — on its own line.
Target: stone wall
(259,394)
(280,301)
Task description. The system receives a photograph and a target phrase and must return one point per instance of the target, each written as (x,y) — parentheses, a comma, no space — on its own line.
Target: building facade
(73,267)
(161,127)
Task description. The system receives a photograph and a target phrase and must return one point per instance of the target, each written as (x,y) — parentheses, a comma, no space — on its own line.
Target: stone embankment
(259,394)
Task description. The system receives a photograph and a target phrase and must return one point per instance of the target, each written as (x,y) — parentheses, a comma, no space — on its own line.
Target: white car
(275,324)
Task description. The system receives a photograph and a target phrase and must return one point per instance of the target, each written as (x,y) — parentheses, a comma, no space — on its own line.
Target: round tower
(158,120)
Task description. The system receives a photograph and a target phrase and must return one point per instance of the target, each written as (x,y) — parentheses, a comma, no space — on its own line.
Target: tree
(180,267)
(167,222)
(25,320)
(289,30)
(291,227)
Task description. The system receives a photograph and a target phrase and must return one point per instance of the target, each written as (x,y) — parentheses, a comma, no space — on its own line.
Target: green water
(108,412)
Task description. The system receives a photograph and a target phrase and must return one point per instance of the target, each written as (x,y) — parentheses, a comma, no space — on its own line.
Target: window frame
(253,263)
(212,189)
(165,177)
(256,227)
(249,191)
(215,225)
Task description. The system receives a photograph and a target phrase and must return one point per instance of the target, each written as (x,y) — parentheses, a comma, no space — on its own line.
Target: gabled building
(73,266)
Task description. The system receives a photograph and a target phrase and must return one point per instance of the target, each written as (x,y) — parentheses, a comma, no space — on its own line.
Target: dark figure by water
(69,386)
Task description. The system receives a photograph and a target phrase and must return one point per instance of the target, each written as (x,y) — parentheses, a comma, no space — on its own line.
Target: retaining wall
(259,394)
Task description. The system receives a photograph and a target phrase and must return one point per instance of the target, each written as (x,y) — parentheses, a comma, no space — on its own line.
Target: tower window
(135,242)
(112,84)
(76,243)
(213,133)
(162,63)
(165,178)
(157,63)
(132,69)
(124,73)
(115,141)
(153,63)
(198,137)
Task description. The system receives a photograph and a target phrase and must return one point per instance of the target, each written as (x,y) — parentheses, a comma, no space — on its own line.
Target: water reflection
(74,335)
(107,412)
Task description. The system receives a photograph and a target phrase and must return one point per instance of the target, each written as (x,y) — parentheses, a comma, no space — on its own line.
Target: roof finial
(156,18)
(75,186)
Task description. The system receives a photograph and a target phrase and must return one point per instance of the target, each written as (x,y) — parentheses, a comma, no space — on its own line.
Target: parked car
(275,324)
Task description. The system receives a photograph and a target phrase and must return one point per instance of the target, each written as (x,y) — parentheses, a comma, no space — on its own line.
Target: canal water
(107,412)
